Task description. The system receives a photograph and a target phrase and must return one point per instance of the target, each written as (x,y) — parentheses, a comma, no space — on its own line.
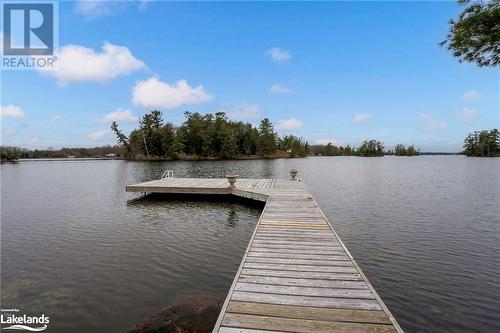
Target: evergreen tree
(266,141)
(475,35)
(482,143)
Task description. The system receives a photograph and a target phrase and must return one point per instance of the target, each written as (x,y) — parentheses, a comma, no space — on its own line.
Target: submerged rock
(195,314)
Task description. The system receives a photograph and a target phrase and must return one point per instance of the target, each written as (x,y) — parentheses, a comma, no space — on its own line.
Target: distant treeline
(13,153)
(215,137)
(206,136)
(368,148)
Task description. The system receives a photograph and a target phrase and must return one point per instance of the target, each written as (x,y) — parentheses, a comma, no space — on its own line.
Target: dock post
(231,179)
(293,174)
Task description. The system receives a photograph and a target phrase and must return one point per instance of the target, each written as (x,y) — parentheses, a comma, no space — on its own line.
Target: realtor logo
(28,28)
(29,34)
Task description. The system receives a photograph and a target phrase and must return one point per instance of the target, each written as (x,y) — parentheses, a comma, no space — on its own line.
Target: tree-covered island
(482,143)
(206,137)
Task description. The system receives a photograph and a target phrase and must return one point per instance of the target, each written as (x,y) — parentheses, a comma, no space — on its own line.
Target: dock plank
(310,313)
(296,274)
(301,325)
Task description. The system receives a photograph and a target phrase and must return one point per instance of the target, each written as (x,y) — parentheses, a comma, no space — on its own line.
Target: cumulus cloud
(466,114)
(326,141)
(289,124)
(277,89)
(245,113)
(96,9)
(77,63)
(153,93)
(7,133)
(55,118)
(93,8)
(279,55)
(431,124)
(362,118)
(98,135)
(120,116)
(471,95)
(11,111)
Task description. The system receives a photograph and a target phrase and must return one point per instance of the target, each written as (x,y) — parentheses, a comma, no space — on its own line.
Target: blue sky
(339,71)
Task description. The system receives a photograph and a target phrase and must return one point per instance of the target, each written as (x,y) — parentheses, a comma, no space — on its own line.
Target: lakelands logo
(10,319)
(30,34)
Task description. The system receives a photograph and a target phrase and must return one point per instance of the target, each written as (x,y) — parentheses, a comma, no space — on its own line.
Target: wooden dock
(296,274)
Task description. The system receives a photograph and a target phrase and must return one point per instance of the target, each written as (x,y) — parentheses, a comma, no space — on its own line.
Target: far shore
(198,158)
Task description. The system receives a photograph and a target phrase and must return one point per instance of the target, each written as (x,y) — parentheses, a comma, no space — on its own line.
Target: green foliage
(206,136)
(294,146)
(371,148)
(482,143)
(9,153)
(267,139)
(13,153)
(121,138)
(332,150)
(475,35)
(401,150)
(411,151)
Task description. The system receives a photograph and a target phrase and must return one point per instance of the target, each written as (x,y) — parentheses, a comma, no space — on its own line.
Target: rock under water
(194,314)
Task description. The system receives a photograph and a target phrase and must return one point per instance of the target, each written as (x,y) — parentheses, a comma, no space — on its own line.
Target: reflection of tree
(232,218)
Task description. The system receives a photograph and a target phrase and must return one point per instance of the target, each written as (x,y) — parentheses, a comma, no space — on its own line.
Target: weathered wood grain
(302,300)
(320,283)
(311,313)
(296,274)
(301,325)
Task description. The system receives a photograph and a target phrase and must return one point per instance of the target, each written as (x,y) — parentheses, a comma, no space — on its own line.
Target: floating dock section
(296,274)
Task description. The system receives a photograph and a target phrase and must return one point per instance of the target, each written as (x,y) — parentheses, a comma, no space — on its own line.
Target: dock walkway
(296,274)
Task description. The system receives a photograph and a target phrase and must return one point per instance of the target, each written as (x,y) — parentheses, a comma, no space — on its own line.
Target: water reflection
(425,230)
(97,259)
(232,217)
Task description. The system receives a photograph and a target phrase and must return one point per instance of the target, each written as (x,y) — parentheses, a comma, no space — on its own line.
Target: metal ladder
(168,174)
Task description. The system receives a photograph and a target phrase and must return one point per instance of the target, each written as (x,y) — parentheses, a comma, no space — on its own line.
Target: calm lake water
(75,246)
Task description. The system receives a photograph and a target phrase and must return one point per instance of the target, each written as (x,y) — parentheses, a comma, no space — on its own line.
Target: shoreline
(197,158)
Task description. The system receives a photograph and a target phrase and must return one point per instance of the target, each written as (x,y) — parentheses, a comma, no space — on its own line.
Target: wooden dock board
(296,274)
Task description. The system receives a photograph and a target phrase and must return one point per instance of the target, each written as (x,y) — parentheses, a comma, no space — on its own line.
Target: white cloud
(278,54)
(7,132)
(77,63)
(55,118)
(153,93)
(362,118)
(120,116)
(277,89)
(93,9)
(289,124)
(98,135)
(333,141)
(245,113)
(471,95)
(432,125)
(143,4)
(466,114)
(33,141)
(11,111)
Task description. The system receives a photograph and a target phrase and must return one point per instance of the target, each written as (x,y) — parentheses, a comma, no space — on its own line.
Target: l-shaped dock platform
(296,274)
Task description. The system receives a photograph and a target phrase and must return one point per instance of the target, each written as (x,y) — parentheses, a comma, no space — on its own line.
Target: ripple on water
(425,230)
